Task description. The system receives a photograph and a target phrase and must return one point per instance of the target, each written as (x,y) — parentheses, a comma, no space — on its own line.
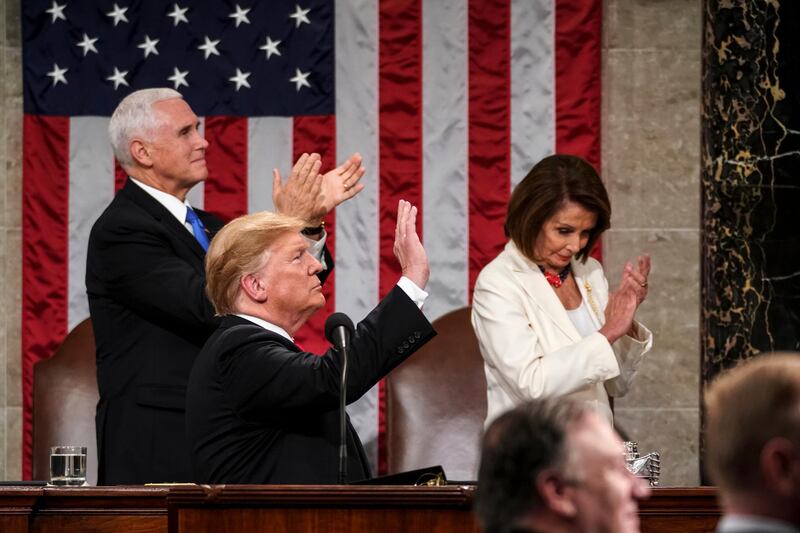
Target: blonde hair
(746,407)
(241,248)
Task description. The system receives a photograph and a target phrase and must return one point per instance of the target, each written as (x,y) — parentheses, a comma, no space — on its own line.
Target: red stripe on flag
(489,130)
(120,176)
(45,212)
(578,80)
(318,134)
(400,143)
(225,192)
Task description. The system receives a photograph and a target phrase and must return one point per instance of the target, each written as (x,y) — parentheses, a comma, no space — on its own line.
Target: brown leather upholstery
(64,401)
(436,403)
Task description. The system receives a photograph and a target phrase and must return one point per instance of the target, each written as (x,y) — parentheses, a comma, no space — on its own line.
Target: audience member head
(559,189)
(752,435)
(554,465)
(259,264)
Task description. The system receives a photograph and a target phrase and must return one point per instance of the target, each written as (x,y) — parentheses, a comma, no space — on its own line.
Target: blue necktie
(197,228)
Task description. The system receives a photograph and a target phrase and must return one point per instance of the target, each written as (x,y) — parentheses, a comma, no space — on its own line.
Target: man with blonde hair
(752,430)
(260,409)
(554,465)
(145,279)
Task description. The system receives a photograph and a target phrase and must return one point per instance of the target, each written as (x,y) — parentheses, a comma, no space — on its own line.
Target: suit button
(412,340)
(417,334)
(405,345)
(400,351)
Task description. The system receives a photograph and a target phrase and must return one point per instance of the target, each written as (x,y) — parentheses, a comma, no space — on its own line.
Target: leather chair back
(436,403)
(64,401)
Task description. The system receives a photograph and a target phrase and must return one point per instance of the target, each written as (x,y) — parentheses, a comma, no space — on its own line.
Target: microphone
(338,329)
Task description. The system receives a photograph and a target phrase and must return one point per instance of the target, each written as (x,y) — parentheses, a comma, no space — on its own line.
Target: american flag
(449,101)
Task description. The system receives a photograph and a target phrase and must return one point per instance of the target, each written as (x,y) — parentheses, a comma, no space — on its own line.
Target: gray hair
(517,446)
(134,116)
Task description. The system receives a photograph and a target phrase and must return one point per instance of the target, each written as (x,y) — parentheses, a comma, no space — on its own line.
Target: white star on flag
(58,74)
(240,15)
(118,78)
(87,45)
(209,47)
(57,11)
(299,16)
(240,79)
(178,77)
(118,14)
(149,46)
(270,47)
(300,79)
(179,14)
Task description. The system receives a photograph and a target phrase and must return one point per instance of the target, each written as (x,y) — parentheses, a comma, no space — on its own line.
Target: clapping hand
(300,195)
(623,303)
(342,183)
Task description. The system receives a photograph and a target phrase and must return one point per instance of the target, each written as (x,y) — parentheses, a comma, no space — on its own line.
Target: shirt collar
(746,523)
(171,203)
(266,325)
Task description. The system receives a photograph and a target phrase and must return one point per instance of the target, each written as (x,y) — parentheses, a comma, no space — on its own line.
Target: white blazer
(531,348)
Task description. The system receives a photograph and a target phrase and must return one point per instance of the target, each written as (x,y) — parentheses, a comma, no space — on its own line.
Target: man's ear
(779,466)
(557,495)
(140,153)
(254,288)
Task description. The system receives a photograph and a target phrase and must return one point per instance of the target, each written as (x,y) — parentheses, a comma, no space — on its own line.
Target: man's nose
(314,266)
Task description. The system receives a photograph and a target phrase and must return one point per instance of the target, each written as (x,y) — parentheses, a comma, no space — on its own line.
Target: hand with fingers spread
(408,248)
(300,195)
(342,183)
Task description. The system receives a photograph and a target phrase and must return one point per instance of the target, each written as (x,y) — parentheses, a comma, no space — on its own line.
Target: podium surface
(294,508)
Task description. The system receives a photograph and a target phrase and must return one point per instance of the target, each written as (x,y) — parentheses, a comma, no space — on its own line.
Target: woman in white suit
(542,311)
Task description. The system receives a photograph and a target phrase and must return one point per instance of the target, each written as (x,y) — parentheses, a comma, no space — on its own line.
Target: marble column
(750,180)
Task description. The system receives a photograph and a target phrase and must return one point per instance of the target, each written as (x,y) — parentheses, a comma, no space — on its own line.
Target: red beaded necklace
(556,280)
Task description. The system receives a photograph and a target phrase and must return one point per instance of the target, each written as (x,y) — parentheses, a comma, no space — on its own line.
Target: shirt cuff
(417,295)
(315,248)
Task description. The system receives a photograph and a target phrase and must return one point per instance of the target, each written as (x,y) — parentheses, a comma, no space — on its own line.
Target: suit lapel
(588,293)
(138,196)
(539,291)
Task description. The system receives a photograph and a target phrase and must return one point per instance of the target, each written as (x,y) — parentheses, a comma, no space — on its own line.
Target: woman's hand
(620,309)
(623,303)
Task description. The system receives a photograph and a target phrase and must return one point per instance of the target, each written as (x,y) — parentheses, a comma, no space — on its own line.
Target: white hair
(134,116)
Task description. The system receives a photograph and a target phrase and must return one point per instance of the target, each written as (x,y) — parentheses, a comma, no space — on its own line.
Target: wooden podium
(282,508)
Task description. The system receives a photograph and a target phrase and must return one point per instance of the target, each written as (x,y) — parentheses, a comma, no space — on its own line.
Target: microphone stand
(343,419)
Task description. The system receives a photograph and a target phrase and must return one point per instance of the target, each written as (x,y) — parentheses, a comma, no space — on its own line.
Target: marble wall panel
(751,119)
(13,451)
(653,24)
(3,436)
(669,375)
(651,134)
(12,214)
(673,432)
(12,294)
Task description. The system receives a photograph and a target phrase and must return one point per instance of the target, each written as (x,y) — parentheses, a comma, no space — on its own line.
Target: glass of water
(68,465)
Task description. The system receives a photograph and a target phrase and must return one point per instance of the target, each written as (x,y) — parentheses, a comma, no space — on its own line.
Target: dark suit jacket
(145,281)
(260,410)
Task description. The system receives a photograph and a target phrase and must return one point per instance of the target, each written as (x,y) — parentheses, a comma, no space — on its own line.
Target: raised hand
(300,195)
(408,248)
(342,183)
(636,277)
(619,313)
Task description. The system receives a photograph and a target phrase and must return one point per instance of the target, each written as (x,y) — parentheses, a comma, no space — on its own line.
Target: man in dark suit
(554,465)
(752,430)
(145,280)
(259,409)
